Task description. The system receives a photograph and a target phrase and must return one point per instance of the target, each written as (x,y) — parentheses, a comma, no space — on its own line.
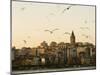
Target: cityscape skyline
(40,44)
(30,20)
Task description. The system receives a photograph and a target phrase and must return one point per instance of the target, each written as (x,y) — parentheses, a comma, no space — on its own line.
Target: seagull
(52,14)
(84,27)
(67,33)
(28,37)
(23,8)
(85,21)
(85,35)
(51,31)
(67,8)
(25,41)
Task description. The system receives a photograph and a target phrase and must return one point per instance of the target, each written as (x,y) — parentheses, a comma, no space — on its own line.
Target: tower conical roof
(72,33)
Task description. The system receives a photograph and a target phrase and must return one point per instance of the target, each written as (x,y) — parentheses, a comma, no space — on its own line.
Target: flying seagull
(23,8)
(84,27)
(52,14)
(67,33)
(67,8)
(25,41)
(28,37)
(85,21)
(85,35)
(51,31)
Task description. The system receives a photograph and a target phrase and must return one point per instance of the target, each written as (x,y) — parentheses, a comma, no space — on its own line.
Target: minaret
(72,38)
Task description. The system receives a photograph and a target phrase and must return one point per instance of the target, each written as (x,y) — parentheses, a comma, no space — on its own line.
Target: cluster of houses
(73,53)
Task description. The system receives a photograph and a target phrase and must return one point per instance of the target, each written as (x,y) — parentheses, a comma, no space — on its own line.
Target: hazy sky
(29,20)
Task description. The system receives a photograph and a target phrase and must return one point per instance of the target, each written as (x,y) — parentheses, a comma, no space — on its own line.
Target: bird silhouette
(23,8)
(25,41)
(85,21)
(51,31)
(85,35)
(52,14)
(67,33)
(84,27)
(66,8)
(69,7)
(28,37)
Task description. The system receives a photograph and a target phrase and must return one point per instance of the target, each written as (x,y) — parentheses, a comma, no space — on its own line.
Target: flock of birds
(52,31)
(67,33)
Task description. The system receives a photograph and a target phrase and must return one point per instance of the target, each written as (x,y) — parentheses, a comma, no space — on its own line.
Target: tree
(44,44)
(53,44)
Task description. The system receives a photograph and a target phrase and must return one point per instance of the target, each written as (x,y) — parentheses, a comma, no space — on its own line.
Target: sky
(30,21)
